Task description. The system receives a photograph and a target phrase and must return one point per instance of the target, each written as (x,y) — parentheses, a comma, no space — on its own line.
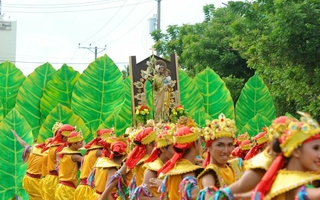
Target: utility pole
(95,49)
(158,17)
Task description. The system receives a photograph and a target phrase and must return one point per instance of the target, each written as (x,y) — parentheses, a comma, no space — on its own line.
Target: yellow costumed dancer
(219,170)
(107,165)
(291,172)
(180,171)
(70,160)
(144,142)
(161,153)
(50,182)
(256,167)
(32,155)
(94,149)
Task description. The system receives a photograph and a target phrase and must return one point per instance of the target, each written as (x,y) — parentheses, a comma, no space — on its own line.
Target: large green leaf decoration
(190,96)
(125,110)
(254,99)
(11,79)
(216,96)
(150,98)
(255,125)
(1,111)
(30,93)
(98,92)
(200,117)
(12,169)
(116,121)
(64,115)
(58,90)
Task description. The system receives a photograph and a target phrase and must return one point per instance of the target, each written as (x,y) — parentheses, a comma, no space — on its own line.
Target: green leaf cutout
(255,125)
(98,92)
(58,90)
(12,169)
(116,121)
(190,96)
(11,80)
(125,110)
(150,98)
(1,111)
(64,115)
(216,96)
(254,99)
(200,117)
(30,93)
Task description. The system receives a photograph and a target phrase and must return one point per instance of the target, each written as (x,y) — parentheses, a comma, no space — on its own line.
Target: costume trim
(262,160)
(288,180)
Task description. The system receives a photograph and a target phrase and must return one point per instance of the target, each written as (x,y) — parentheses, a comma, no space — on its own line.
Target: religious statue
(160,84)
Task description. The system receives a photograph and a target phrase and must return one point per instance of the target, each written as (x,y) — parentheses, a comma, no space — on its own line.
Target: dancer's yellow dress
(31,181)
(175,176)
(224,176)
(68,170)
(84,191)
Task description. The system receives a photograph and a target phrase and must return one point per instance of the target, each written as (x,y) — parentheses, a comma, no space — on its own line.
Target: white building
(8,38)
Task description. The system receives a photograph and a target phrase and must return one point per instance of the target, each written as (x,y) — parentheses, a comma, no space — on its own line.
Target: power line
(55,63)
(46,6)
(69,11)
(132,27)
(118,24)
(60,4)
(105,23)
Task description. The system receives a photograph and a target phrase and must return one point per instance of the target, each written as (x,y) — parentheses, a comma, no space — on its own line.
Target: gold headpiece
(279,125)
(298,132)
(218,128)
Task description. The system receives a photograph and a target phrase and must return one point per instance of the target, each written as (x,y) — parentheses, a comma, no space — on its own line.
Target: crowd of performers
(178,161)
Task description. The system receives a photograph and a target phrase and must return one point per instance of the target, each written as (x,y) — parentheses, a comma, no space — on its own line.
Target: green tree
(280,39)
(206,44)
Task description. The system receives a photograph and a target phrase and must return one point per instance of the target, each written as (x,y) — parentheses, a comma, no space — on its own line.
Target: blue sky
(50,31)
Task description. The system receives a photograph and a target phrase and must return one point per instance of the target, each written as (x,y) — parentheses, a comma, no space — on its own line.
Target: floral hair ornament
(298,132)
(279,125)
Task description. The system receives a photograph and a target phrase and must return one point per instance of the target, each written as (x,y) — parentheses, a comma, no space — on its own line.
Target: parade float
(99,97)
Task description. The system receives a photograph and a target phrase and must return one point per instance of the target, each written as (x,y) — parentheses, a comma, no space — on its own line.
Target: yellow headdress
(165,138)
(218,128)
(297,133)
(75,137)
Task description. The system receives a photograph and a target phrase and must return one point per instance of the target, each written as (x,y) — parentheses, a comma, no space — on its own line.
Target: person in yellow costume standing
(219,170)
(291,172)
(257,166)
(144,143)
(94,149)
(180,172)
(32,155)
(50,182)
(106,167)
(70,160)
(161,153)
